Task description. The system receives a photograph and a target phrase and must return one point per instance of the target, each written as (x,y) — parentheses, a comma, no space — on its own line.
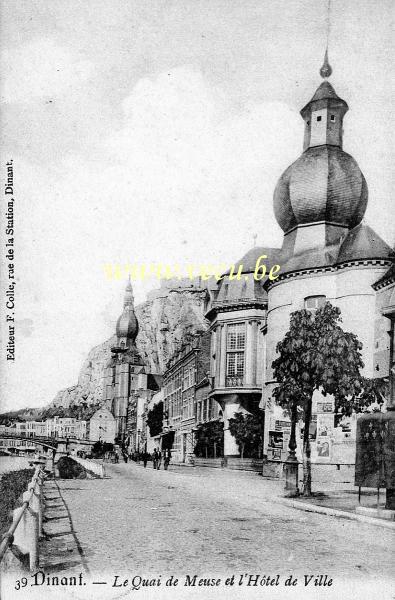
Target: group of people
(157,458)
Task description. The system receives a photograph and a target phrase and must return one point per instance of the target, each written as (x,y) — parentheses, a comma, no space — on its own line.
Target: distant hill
(169,315)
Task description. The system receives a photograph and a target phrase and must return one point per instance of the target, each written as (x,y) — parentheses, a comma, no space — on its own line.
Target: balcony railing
(235,381)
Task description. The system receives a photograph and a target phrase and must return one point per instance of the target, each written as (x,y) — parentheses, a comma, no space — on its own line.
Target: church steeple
(323,115)
(127,326)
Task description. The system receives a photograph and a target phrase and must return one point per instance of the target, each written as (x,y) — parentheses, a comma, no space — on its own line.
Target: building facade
(101,426)
(184,371)
(328,254)
(237,313)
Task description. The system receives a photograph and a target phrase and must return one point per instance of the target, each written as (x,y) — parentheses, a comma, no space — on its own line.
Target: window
(319,118)
(333,118)
(235,364)
(210,409)
(235,350)
(308,123)
(314,302)
(244,290)
(236,336)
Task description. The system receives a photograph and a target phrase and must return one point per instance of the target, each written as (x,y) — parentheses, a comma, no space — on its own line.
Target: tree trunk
(307,451)
(242,451)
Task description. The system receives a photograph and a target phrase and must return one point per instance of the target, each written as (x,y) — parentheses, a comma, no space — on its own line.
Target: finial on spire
(128,300)
(326,69)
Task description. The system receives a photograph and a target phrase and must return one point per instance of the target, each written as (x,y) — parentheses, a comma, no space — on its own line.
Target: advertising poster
(196,211)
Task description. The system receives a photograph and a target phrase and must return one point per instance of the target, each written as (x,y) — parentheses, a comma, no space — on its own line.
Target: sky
(155,132)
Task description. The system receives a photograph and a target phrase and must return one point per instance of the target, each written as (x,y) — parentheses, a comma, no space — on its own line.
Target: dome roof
(249,260)
(363,242)
(127,324)
(360,244)
(246,288)
(323,184)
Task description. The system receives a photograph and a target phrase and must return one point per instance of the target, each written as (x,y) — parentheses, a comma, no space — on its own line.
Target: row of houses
(99,426)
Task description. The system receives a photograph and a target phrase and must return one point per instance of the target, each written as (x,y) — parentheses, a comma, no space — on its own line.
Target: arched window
(314,302)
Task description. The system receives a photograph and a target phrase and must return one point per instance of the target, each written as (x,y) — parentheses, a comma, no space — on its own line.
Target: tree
(316,354)
(100,448)
(209,439)
(155,419)
(248,432)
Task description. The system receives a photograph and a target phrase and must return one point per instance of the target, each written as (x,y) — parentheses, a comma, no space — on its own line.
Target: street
(217,523)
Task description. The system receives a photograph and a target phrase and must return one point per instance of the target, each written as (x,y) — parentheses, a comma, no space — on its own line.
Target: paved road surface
(209,522)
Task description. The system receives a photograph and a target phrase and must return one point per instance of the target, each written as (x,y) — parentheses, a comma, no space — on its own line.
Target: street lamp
(291,466)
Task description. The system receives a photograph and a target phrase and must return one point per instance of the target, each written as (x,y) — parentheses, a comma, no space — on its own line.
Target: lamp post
(291,463)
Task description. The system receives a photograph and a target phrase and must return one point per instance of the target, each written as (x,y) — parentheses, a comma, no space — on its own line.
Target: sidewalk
(331,500)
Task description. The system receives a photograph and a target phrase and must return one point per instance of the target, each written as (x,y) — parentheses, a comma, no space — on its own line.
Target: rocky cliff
(169,316)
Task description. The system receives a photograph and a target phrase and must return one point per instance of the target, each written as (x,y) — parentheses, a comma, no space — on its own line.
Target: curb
(334,512)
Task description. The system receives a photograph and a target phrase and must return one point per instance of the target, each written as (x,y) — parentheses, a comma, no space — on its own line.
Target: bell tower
(323,115)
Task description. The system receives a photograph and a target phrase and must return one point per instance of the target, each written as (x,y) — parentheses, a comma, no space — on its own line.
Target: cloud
(184,151)
(41,69)
(183,166)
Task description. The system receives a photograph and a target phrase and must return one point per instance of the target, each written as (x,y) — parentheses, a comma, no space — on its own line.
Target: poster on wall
(324,447)
(325,425)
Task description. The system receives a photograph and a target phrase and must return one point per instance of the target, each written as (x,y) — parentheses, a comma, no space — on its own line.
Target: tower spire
(326,69)
(128,298)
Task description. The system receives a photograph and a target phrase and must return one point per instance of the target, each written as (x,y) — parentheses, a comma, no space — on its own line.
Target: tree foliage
(248,431)
(100,448)
(209,439)
(155,419)
(316,354)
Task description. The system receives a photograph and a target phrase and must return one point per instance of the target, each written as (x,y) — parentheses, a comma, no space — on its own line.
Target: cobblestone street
(214,522)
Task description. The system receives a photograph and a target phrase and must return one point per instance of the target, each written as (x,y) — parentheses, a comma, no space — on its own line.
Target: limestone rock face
(169,315)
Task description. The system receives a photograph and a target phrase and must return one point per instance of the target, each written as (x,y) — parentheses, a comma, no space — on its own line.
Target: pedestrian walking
(167,458)
(155,458)
(159,460)
(145,458)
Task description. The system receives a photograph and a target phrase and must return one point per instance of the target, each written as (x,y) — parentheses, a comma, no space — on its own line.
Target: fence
(90,465)
(27,525)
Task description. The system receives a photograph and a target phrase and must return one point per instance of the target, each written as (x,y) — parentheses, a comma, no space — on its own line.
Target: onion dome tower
(125,367)
(323,194)
(127,326)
